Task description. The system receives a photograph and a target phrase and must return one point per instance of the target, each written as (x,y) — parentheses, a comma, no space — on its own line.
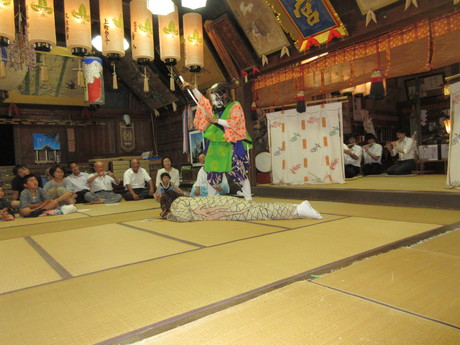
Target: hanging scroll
(308,18)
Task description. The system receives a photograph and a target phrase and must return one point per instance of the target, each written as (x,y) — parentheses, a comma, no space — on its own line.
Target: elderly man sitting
(134,180)
(101,186)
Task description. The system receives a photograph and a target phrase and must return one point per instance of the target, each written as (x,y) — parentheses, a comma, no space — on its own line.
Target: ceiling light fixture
(193,4)
(161,7)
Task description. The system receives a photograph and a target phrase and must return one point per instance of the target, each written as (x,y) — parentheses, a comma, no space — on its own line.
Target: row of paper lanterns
(41,29)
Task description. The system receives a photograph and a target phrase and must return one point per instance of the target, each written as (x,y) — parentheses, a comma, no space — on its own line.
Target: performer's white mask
(217,100)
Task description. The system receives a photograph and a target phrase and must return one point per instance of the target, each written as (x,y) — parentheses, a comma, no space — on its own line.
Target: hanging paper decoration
(285,51)
(264,60)
(94,80)
(193,42)
(78,26)
(300,102)
(168,27)
(302,19)
(370,16)
(40,24)
(7,31)
(112,28)
(141,32)
(410,2)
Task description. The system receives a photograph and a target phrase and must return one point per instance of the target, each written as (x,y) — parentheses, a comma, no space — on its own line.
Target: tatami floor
(118,274)
(425,183)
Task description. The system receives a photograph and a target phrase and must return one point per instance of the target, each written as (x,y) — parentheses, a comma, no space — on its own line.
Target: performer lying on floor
(179,208)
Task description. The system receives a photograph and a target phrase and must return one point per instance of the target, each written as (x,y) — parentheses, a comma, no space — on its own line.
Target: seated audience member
(352,154)
(101,186)
(6,211)
(405,149)
(134,180)
(200,187)
(79,182)
(372,153)
(166,184)
(58,188)
(167,168)
(16,184)
(33,199)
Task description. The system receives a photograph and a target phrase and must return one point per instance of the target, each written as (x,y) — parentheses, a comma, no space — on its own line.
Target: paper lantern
(141,32)
(160,7)
(40,24)
(193,40)
(7,30)
(94,80)
(168,27)
(78,26)
(112,28)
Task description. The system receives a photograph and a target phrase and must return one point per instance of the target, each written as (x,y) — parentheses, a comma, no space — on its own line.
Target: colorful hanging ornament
(300,102)
(94,80)
(245,76)
(308,43)
(377,90)
(370,16)
(333,33)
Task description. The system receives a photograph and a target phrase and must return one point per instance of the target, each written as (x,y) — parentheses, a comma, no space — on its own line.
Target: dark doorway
(7,140)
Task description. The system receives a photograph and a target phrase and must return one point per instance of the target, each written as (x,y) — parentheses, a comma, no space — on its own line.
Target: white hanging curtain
(453,169)
(306,148)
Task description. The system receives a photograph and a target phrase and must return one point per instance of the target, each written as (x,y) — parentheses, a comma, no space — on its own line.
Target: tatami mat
(422,282)
(19,221)
(216,232)
(303,313)
(96,307)
(21,266)
(96,248)
(122,206)
(427,183)
(63,224)
(446,244)
(408,214)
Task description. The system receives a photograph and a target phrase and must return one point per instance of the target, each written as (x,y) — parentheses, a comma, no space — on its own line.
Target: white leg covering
(246,189)
(211,190)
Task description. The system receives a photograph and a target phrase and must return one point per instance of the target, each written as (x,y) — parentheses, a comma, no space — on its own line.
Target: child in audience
(165,185)
(33,200)
(17,185)
(6,211)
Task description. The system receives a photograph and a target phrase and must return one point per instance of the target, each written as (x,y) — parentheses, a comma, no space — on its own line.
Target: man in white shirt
(404,147)
(352,157)
(79,182)
(134,180)
(372,154)
(101,186)
(200,187)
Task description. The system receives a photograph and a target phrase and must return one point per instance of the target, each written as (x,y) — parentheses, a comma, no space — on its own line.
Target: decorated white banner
(306,148)
(453,168)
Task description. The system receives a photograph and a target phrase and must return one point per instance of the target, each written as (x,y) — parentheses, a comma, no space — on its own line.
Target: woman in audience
(58,188)
(166,163)
(178,208)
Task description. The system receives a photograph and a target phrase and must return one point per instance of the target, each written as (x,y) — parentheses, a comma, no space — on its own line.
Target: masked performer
(227,141)
(179,208)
